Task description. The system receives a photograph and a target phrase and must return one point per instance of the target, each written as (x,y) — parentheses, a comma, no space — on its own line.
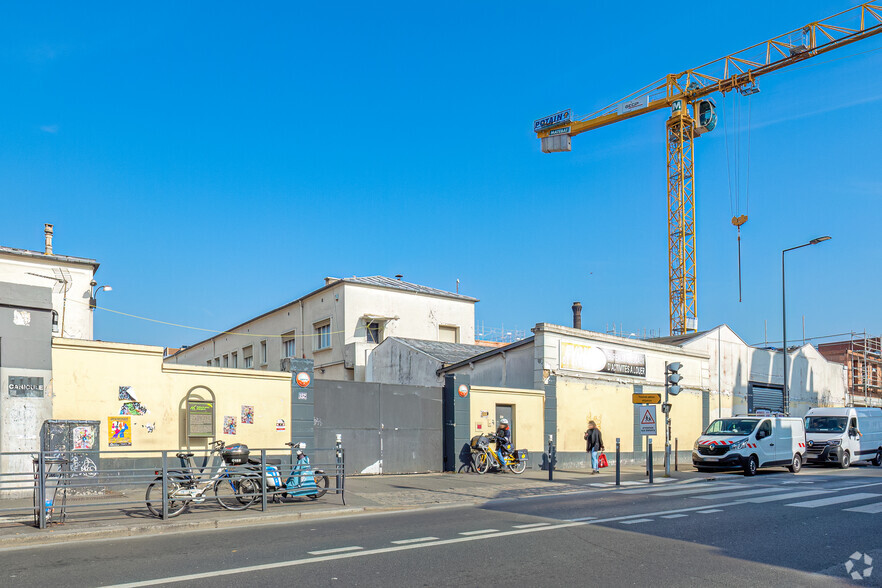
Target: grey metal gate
(760,397)
(387,428)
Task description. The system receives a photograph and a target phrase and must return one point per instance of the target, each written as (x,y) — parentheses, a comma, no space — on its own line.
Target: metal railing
(107,484)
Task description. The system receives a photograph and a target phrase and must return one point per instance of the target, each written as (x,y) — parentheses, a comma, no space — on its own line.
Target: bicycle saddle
(184,455)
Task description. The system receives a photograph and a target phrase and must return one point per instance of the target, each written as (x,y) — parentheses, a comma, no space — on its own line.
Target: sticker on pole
(648,420)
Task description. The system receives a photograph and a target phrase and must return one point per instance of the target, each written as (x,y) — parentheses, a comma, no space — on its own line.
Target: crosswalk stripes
(786,496)
(740,493)
(714,488)
(874,508)
(835,500)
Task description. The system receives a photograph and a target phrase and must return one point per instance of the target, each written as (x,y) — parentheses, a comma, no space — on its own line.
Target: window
(263,353)
(765,429)
(226,362)
(372,332)
(448,334)
(235,362)
(216,362)
(288,346)
(248,357)
(323,335)
(208,363)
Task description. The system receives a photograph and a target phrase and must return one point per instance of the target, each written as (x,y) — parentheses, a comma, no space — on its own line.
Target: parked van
(844,435)
(749,443)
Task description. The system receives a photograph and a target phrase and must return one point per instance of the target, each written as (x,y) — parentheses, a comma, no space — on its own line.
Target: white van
(844,435)
(751,442)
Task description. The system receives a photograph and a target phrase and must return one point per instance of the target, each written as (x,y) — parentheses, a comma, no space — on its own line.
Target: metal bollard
(41,490)
(676,457)
(550,458)
(649,459)
(618,462)
(165,485)
(263,482)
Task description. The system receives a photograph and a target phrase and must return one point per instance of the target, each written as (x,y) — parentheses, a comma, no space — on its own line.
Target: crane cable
(738,219)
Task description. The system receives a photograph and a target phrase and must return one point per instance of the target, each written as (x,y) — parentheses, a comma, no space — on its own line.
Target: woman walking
(594,444)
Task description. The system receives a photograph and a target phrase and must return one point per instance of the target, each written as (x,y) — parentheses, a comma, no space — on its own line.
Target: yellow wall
(609,405)
(87,376)
(529,410)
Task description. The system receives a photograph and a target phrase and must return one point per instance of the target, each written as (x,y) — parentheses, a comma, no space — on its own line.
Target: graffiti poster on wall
(247,415)
(280,425)
(133,408)
(229,425)
(83,438)
(119,431)
(127,393)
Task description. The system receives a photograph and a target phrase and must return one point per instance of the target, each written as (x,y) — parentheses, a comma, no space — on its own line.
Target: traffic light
(673,377)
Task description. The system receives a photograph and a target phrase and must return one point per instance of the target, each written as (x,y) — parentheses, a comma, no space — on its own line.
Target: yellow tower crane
(693,114)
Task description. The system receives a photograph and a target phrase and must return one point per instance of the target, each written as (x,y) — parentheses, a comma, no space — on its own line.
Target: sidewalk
(364,494)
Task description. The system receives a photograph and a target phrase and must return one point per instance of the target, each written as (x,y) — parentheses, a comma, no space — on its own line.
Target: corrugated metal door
(764,398)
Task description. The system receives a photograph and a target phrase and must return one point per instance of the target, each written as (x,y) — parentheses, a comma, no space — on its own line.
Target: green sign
(200,418)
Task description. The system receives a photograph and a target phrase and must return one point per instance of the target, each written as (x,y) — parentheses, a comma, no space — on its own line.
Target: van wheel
(750,466)
(877,461)
(845,461)
(796,464)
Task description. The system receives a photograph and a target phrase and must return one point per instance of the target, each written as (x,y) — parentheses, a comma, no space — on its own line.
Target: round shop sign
(302,379)
(463,390)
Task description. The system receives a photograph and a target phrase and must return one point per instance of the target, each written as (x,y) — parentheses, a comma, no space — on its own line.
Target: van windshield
(825,424)
(731,427)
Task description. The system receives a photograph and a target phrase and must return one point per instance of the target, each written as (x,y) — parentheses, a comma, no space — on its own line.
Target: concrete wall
(528,410)
(395,362)
(88,375)
(512,368)
(73,309)
(407,314)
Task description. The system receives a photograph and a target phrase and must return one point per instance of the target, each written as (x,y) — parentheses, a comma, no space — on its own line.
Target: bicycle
(483,458)
(233,490)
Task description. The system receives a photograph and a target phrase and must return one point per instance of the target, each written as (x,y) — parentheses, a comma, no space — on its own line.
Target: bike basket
(235,454)
(522,455)
(480,442)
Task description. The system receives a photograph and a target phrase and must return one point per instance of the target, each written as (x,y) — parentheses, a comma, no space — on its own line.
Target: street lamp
(784,313)
(94,294)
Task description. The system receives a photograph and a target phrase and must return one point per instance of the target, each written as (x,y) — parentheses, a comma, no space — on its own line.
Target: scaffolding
(864,362)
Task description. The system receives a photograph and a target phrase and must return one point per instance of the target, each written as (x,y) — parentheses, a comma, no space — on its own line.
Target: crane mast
(687,91)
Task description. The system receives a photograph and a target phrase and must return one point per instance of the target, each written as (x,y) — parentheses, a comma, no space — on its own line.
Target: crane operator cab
(705,116)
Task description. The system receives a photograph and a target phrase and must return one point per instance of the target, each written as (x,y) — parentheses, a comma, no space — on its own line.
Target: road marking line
(834,500)
(674,516)
(479,532)
(785,496)
(336,550)
(700,490)
(635,521)
(668,488)
(710,510)
(531,525)
(867,508)
(742,493)
(417,540)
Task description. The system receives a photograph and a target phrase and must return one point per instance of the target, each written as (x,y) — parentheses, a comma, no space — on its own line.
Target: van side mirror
(760,435)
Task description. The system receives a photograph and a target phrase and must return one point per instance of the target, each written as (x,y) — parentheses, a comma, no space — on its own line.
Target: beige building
(70,279)
(337,326)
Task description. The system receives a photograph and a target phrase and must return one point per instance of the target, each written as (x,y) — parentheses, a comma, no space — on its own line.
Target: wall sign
(591,358)
(25,387)
(200,418)
(119,431)
(302,379)
(463,390)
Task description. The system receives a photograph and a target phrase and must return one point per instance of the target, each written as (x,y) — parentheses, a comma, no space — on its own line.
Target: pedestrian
(594,445)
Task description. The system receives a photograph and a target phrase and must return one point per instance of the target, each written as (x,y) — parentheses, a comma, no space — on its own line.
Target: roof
(489,353)
(677,339)
(54,257)
(446,353)
(384,282)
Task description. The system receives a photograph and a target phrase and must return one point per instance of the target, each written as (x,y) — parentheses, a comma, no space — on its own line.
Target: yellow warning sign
(645,398)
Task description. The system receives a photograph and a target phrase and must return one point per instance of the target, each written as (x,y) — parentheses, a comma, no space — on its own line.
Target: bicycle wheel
(236,492)
(515,466)
(322,481)
(176,504)
(481,462)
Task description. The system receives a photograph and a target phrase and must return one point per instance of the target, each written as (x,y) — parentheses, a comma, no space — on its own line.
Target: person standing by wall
(594,445)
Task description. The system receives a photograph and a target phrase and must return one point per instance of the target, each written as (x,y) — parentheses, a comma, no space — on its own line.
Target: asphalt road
(775,529)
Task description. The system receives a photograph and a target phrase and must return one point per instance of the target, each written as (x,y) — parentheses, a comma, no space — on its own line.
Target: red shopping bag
(601,461)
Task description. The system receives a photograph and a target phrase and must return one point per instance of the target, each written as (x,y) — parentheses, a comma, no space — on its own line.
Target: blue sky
(220,159)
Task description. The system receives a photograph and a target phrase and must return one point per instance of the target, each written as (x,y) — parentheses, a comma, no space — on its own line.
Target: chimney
(577,315)
(47,231)
(329,281)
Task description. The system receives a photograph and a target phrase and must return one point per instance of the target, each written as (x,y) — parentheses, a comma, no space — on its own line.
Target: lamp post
(93,296)
(784,314)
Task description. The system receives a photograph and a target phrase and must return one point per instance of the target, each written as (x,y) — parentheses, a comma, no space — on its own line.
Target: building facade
(70,280)
(338,326)
(862,358)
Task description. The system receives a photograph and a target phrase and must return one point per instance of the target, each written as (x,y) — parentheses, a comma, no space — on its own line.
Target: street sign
(645,398)
(648,421)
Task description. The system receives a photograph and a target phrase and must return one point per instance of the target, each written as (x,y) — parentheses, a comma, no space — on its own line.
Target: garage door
(760,397)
